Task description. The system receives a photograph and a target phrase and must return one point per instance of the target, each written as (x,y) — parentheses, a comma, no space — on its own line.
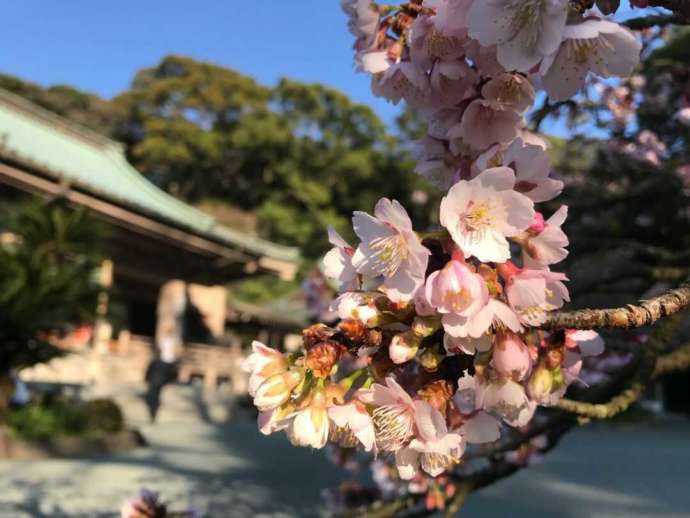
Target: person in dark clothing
(158,374)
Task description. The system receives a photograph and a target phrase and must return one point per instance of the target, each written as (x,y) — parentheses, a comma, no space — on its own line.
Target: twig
(678,360)
(619,403)
(645,313)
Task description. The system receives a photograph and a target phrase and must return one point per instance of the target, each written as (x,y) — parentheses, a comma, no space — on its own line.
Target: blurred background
(167,174)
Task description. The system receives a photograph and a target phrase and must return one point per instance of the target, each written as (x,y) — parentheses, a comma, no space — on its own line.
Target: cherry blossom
(483,124)
(355,417)
(338,262)
(263,363)
(394,414)
(546,242)
(436,447)
(599,46)
(525,31)
(532,293)
(310,426)
(481,213)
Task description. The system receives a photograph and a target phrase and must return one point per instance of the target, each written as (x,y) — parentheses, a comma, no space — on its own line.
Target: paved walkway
(201,457)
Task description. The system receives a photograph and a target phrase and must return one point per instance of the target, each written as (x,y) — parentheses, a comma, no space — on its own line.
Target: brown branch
(644,313)
(678,360)
(615,405)
(634,386)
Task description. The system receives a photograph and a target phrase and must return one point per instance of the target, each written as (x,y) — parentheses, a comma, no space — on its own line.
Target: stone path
(199,456)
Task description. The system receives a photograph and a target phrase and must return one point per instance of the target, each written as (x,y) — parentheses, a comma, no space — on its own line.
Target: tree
(47,260)
(452,347)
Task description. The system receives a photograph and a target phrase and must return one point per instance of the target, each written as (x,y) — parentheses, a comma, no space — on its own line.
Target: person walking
(161,371)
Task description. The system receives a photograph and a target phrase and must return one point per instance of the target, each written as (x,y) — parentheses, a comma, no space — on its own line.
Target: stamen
(393,426)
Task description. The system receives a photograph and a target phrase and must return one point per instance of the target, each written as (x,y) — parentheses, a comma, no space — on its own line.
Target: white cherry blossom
(481,213)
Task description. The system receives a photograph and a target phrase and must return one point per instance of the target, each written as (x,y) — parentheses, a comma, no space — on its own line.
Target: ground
(200,455)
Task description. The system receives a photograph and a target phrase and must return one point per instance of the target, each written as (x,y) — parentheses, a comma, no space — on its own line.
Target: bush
(61,417)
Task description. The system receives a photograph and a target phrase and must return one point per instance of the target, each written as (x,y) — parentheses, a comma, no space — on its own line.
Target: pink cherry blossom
(358,306)
(393,415)
(363,20)
(436,447)
(481,213)
(511,91)
(483,124)
(531,293)
(467,344)
(263,363)
(403,80)
(599,46)
(546,245)
(452,82)
(508,400)
(390,248)
(524,31)
(495,313)
(456,289)
(511,357)
(310,426)
(355,417)
(338,262)
(531,165)
(435,162)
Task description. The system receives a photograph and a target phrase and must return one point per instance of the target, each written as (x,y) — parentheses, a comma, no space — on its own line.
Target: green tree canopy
(298,156)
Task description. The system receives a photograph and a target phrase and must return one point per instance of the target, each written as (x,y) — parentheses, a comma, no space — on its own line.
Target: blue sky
(98,46)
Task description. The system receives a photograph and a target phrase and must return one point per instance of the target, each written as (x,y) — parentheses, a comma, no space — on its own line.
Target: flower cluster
(439,343)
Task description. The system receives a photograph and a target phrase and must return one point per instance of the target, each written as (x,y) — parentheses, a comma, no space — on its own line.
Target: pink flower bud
(403,347)
(537,226)
(276,390)
(540,384)
(511,357)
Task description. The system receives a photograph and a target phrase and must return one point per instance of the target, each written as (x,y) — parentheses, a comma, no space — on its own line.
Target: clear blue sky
(98,46)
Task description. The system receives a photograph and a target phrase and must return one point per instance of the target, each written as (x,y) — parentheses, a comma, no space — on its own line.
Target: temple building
(168,263)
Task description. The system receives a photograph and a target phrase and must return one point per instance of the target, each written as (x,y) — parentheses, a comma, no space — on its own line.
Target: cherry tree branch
(622,401)
(678,360)
(645,313)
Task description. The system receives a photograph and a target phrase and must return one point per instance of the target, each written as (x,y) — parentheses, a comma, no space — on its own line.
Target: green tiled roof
(97,165)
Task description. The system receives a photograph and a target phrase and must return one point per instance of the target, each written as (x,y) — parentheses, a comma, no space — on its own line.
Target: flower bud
(276,390)
(430,359)
(540,384)
(404,347)
(511,357)
(263,363)
(322,358)
(538,225)
(315,334)
(437,394)
(554,358)
(426,326)
(354,330)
